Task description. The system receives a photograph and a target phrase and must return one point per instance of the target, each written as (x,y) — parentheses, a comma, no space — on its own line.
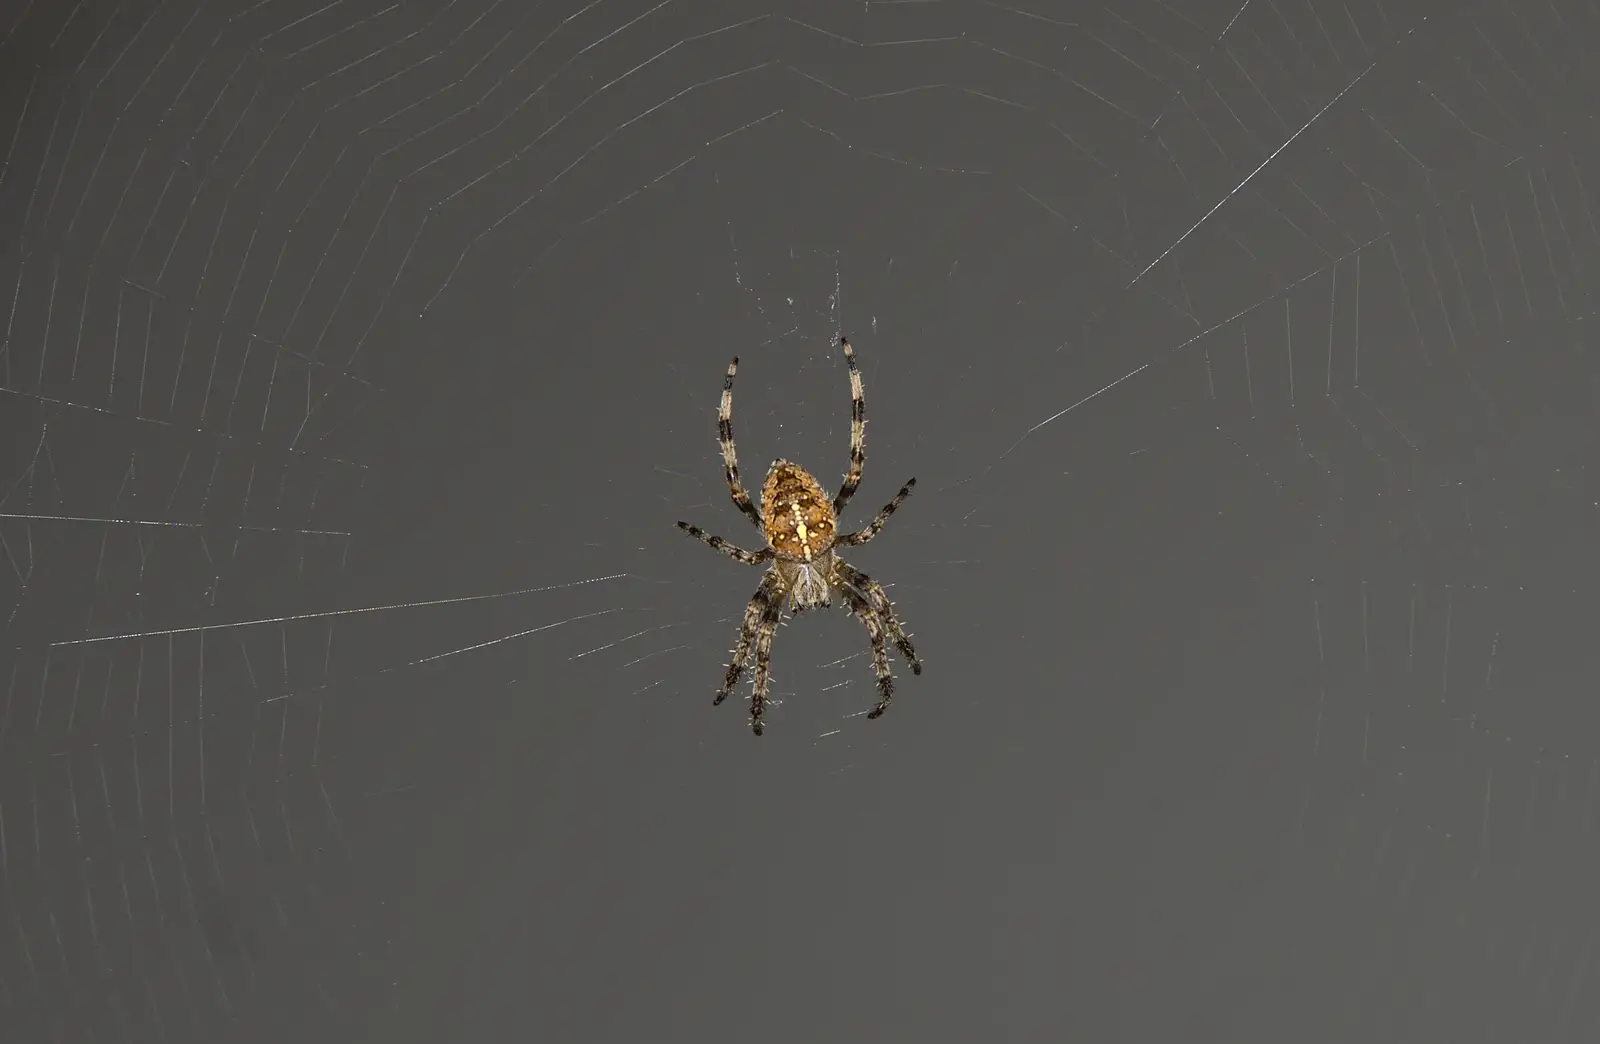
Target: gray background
(359,357)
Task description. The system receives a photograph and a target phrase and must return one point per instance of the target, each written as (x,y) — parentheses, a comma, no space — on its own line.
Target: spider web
(1347,250)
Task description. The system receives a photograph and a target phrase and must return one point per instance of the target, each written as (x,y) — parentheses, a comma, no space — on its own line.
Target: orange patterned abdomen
(796,515)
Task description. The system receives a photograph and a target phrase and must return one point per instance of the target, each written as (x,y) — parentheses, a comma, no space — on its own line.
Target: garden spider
(800,527)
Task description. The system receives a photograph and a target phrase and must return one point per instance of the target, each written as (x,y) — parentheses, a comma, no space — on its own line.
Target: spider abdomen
(796,515)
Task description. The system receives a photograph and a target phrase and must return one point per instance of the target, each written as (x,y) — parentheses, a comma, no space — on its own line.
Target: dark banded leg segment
(730,457)
(755,611)
(870,530)
(880,655)
(879,599)
(858,431)
(733,551)
(763,657)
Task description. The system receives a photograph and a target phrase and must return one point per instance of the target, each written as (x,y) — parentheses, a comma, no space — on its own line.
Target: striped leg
(858,431)
(738,554)
(870,530)
(879,598)
(730,458)
(763,658)
(880,655)
(767,598)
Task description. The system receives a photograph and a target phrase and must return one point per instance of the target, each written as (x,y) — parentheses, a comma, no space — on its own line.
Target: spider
(800,527)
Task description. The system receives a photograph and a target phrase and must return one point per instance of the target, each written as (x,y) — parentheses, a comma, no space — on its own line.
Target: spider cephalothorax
(801,529)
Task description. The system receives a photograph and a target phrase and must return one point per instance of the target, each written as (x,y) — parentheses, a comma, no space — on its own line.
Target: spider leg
(858,431)
(767,595)
(879,599)
(730,458)
(763,657)
(870,530)
(880,655)
(736,553)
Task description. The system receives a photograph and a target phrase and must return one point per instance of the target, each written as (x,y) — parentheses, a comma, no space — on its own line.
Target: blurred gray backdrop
(359,357)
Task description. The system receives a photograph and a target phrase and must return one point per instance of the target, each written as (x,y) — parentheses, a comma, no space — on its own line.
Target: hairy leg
(870,530)
(880,654)
(755,611)
(879,600)
(730,457)
(733,551)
